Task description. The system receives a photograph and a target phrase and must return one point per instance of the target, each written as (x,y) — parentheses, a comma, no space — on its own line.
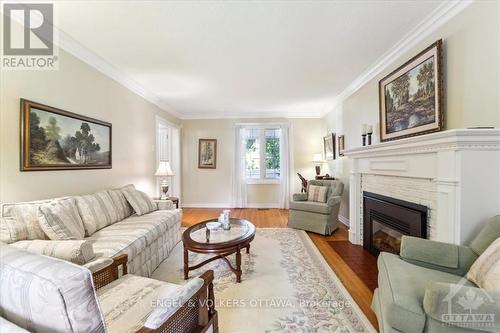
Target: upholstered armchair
(426,289)
(45,294)
(319,217)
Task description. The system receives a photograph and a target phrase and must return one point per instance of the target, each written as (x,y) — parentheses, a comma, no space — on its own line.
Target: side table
(175,200)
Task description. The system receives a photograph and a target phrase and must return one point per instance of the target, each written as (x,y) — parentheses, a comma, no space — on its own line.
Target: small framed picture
(207,153)
(341,139)
(329,146)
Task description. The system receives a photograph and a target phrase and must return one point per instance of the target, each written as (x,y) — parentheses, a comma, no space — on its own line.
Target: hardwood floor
(278,218)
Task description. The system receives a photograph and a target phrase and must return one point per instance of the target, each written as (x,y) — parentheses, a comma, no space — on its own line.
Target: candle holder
(364,139)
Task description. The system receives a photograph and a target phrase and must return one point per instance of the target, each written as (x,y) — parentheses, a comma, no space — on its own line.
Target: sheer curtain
(239,181)
(285,155)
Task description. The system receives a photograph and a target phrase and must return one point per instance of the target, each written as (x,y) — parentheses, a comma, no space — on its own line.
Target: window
(262,154)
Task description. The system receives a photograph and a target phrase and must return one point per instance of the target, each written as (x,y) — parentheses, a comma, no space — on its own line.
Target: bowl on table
(213,226)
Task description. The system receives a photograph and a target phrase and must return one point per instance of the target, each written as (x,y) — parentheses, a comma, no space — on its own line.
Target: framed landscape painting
(329,146)
(54,139)
(207,153)
(411,96)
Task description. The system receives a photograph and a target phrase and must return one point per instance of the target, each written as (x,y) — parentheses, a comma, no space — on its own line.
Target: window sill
(262,181)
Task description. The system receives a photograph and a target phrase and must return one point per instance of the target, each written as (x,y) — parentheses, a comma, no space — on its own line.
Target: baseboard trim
(344,220)
(206,205)
(263,206)
(227,205)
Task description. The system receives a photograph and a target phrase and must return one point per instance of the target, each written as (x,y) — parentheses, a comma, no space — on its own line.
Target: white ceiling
(242,58)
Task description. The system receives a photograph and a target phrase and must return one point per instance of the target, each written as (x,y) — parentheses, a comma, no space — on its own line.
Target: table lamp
(164,171)
(317,161)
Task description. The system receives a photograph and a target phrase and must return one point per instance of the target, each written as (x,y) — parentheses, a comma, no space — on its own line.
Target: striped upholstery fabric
(140,201)
(485,271)
(127,302)
(317,193)
(60,220)
(97,211)
(146,239)
(43,294)
(121,204)
(75,251)
(11,230)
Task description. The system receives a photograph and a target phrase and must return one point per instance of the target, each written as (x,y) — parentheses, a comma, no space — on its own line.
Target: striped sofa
(111,226)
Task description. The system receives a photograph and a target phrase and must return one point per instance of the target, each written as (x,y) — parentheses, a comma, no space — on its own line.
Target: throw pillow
(76,251)
(122,206)
(97,211)
(60,220)
(140,201)
(317,193)
(25,215)
(485,271)
(11,230)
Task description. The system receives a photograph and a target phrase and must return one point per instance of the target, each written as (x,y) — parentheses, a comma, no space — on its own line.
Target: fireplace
(386,219)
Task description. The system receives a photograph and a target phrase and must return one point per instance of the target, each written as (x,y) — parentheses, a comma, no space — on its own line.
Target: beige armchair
(318,217)
(44,294)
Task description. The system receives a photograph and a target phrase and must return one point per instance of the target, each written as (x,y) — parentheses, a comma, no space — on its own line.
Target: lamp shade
(318,159)
(164,169)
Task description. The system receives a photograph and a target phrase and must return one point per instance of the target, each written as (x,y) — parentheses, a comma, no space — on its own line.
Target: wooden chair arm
(110,273)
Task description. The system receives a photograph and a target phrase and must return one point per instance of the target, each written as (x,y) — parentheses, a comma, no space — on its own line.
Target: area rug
(287,286)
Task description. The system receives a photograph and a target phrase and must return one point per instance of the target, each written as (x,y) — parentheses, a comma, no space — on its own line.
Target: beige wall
(208,187)
(471,65)
(78,88)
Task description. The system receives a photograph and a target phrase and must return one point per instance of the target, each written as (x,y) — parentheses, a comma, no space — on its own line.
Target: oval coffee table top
(196,236)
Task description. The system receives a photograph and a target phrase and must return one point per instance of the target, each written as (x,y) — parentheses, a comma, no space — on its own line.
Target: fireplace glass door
(385,238)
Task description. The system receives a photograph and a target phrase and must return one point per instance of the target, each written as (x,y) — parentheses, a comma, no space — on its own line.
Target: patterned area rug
(287,286)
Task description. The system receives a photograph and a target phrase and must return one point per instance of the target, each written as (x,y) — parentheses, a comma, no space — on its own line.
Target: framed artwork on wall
(341,140)
(329,146)
(411,97)
(207,153)
(54,139)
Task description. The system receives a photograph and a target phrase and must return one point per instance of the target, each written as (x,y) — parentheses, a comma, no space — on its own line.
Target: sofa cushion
(317,193)
(401,289)
(485,271)
(122,206)
(127,302)
(133,234)
(140,201)
(76,251)
(60,220)
(43,294)
(310,206)
(97,211)
(170,300)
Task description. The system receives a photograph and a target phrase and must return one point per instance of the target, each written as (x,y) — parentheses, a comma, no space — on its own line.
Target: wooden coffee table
(221,243)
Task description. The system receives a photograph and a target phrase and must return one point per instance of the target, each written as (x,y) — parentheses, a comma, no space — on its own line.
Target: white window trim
(262,152)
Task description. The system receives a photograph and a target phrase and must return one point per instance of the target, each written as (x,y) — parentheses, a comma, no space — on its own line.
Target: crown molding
(70,45)
(442,14)
(246,115)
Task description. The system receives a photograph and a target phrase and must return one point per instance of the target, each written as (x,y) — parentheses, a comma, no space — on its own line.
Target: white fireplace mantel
(464,165)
